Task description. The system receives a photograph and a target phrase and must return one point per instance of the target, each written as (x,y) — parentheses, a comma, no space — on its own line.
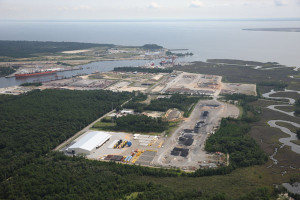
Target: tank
(129,143)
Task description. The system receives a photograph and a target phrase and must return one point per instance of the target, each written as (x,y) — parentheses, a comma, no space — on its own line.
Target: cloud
(154,5)
(280,2)
(196,4)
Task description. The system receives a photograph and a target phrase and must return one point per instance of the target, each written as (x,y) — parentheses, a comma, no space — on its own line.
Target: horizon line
(149,20)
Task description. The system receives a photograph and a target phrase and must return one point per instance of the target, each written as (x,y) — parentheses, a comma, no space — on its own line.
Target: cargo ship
(36,73)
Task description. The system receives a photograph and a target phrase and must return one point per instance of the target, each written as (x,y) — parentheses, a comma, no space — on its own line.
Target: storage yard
(116,146)
(160,83)
(184,147)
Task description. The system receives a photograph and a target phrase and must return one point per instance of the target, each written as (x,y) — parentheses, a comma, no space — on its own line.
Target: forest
(170,53)
(132,123)
(33,124)
(181,102)
(232,138)
(26,49)
(32,84)
(152,47)
(141,69)
(4,71)
(140,123)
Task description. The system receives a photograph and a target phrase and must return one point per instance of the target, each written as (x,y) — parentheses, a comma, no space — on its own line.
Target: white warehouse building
(89,142)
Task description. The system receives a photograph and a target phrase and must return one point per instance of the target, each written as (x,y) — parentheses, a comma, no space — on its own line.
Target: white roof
(91,140)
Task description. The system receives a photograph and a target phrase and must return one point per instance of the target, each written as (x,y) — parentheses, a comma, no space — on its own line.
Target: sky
(147,9)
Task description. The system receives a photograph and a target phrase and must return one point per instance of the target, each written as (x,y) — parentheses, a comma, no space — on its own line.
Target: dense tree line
(232,138)
(32,84)
(243,62)
(181,102)
(135,104)
(55,176)
(4,71)
(23,49)
(170,53)
(34,123)
(139,97)
(250,113)
(151,47)
(297,109)
(140,123)
(142,69)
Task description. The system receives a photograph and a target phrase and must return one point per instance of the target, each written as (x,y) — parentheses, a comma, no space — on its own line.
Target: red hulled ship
(36,73)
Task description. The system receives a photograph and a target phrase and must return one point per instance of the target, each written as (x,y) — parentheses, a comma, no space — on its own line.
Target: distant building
(89,142)
(127,112)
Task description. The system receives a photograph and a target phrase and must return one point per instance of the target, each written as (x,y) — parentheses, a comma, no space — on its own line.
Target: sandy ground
(248,89)
(157,89)
(16,90)
(131,89)
(76,51)
(173,114)
(153,114)
(197,155)
(157,77)
(191,81)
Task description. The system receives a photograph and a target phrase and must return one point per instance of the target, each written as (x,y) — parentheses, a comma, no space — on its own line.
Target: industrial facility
(89,142)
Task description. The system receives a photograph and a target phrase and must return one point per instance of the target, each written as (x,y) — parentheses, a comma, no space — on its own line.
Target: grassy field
(287,125)
(104,126)
(296,141)
(293,95)
(109,126)
(234,185)
(241,74)
(268,137)
(286,108)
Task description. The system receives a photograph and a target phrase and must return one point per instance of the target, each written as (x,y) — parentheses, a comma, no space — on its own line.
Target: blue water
(206,39)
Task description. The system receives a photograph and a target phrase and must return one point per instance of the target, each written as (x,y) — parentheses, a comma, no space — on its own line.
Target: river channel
(292,136)
(101,66)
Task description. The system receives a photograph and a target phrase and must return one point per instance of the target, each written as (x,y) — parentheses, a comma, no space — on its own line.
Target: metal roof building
(89,142)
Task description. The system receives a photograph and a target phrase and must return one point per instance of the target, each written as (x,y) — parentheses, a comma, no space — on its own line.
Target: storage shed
(89,142)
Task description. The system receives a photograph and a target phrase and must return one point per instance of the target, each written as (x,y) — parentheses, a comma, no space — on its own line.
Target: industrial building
(89,142)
